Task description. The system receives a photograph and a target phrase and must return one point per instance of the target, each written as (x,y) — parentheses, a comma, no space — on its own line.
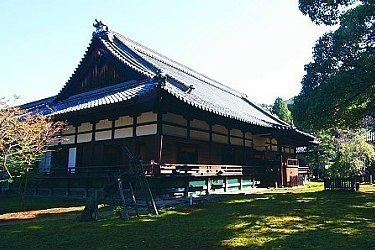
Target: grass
(12,203)
(304,218)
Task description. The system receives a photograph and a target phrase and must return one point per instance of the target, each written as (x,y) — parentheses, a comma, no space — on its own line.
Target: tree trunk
(25,189)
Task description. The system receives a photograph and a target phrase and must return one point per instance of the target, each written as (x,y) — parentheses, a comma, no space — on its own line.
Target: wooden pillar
(113,129)
(134,126)
(281,165)
(75,134)
(225,184)
(243,149)
(210,143)
(186,187)
(208,185)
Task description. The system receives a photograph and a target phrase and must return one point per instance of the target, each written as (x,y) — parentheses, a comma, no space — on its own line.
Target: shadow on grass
(13,203)
(312,220)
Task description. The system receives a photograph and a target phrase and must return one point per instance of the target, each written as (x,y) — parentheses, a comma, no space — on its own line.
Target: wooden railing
(200,170)
(346,184)
(151,170)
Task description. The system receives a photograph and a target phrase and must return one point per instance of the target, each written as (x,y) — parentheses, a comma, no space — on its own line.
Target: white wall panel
(174,118)
(174,131)
(69,130)
(85,127)
(219,129)
(236,132)
(123,133)
(102,124)
(220,138)
(199,124)
(147,117)
(103,135)
(87,137)
(248,135)
(199,135)
(68,139)
(123,121)
(146,130)
(236,141)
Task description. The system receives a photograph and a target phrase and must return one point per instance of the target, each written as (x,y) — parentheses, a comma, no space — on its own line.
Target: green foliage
(338,88)
(325,12)
(346,152)
(280,108)
(353,154)
(321,155)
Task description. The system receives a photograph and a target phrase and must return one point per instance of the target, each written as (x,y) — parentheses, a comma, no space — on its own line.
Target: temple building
(189,130)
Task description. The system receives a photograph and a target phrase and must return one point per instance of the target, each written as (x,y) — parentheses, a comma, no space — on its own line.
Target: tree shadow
(312,220)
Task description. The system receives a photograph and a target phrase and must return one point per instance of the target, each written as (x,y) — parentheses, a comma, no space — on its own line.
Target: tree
(280,108)
(321,155)
(353,154)
(345,152)
(24,137)
(338,88)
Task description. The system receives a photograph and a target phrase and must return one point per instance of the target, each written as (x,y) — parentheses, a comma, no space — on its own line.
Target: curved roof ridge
(187,70)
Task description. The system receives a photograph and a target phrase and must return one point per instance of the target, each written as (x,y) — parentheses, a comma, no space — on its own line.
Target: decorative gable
(98,69)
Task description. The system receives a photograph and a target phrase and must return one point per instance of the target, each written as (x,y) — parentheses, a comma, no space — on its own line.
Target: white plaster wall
(174,131)
(220,138)
(87,137)
(103,124)
(236,132)
(199,135)
(69,130)
(199,124)
(236,141)
(68,139)
(219,129)
(147,117)
(174,118)
(123,133)
(103,135)
(248,135)
(146,130)
(85,127)
(260,143)
(123,121)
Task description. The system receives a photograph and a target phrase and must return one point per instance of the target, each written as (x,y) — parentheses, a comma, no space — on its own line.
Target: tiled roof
(188,85)
(91,99)
(181,81)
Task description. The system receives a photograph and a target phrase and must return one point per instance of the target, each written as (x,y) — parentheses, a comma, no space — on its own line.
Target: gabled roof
(180,81)
(186,84)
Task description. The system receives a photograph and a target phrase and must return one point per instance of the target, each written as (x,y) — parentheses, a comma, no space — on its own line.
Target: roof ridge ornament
(101,28)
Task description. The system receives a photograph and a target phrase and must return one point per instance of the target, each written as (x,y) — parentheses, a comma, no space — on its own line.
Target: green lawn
(305,218)
(11,203)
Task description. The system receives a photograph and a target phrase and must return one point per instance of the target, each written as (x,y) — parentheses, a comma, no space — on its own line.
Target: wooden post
(226,184)
(208,185)
(240,180)
(210,143)
(133,198)
(186,187)
(124,213)
(151,196)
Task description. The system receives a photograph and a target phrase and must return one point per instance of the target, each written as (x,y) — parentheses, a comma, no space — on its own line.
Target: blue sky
(258,47)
